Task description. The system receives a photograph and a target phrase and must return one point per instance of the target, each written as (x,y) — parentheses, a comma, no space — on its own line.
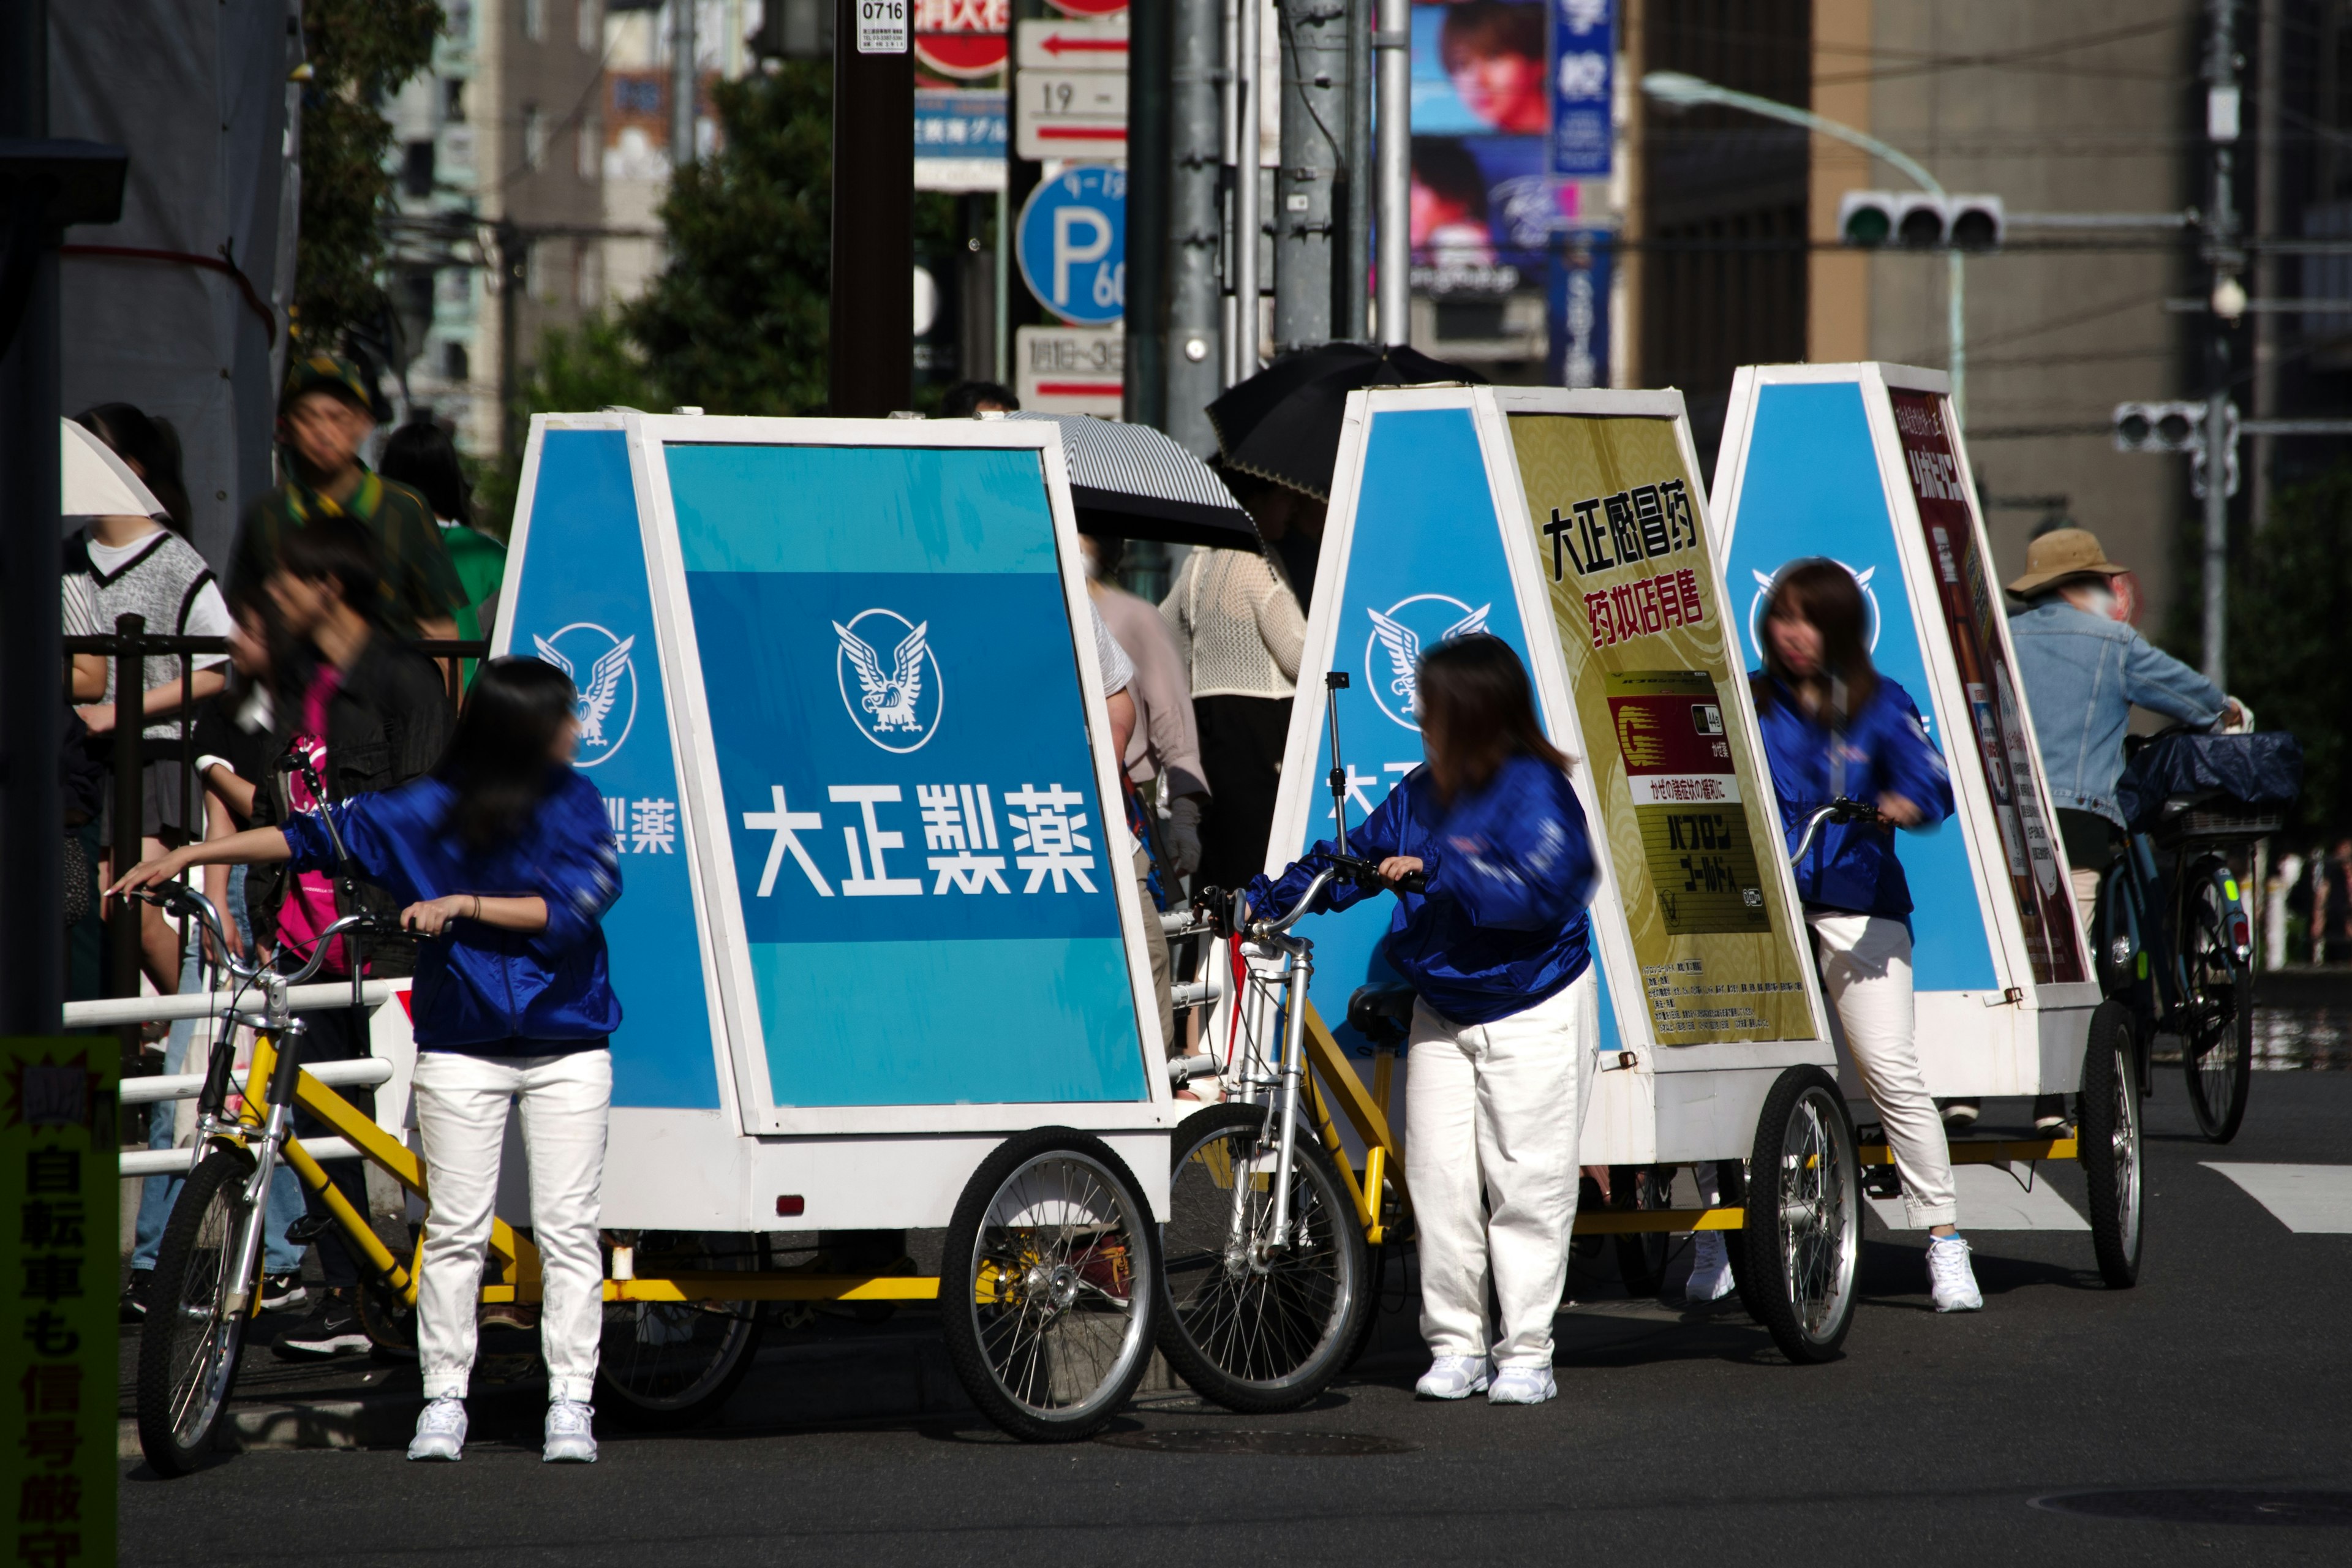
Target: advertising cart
(1864,464)
(1572,526)
(878,948)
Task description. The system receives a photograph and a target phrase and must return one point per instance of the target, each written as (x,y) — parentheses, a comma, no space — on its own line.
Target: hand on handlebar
(1899,811)
(164,868)
(432,917)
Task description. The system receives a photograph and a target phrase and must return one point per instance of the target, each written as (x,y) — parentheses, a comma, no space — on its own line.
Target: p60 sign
(1073,244)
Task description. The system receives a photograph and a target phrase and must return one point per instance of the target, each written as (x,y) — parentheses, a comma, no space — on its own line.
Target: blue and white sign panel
(1583,60)
(1813,464)
(920,858)
(1072,244)
(577,594)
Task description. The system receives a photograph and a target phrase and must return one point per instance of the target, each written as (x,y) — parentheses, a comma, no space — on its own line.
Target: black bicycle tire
(2219,1126)
(217,1178)
(2117,1232)
(959,1284)
(730,1363)
(1194,1363)
(1763,1281)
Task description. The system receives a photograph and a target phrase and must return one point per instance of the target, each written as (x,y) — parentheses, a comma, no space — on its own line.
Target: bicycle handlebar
(1842,810)
(178,898)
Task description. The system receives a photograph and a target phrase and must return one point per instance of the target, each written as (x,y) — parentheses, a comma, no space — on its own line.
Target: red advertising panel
(2037,872)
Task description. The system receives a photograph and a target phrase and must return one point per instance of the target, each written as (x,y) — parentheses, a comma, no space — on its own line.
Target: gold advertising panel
(1685,803)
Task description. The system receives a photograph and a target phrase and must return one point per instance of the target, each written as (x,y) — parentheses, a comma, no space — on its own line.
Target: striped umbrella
(1132,481)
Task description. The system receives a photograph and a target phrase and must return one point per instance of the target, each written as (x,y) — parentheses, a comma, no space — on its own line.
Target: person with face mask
(2085,668)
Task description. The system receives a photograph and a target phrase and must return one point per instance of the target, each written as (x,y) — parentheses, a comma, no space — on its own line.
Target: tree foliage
(2287,604)
(359,53)
(737,321)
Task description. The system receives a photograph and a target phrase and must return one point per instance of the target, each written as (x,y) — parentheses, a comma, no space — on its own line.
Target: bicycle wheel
(189,1345)
(666,1364)
(2217,1033)
(2109,1146)
(1255,1325)
(1397,1228)
(1641,1254)
(1045,1291)
(1804,1232)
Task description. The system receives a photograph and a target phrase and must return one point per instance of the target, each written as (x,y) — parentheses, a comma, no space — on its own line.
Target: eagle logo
(1764,591)
(1396,645)
(896,702)
(605,717)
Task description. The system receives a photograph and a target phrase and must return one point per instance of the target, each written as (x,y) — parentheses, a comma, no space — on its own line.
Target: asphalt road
(1679,1436)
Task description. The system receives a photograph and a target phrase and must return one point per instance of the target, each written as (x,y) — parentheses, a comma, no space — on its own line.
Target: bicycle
(2175,945)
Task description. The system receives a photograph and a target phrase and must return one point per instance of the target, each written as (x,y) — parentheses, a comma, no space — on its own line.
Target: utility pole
(1248,224)
(1314,55)
(1149,177)
(1393,46)
(2223,253)
(1356,257)
(871,348)
(684,84)
(1195,157)
(2269,54)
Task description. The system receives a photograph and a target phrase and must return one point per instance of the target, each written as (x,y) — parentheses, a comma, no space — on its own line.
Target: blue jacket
(1851,866)
(2081,674)
(479,988)
(1511,869)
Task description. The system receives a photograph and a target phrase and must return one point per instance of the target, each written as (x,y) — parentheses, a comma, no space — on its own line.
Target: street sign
(1093,8)
(1069,370)
(1072,244)
(959,139)
(1069,88)
(882,26)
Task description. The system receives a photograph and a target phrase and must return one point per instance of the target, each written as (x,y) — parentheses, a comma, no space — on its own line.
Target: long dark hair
(1477,689)
(148,445)
(420,456)
(1820,591)
(499,760)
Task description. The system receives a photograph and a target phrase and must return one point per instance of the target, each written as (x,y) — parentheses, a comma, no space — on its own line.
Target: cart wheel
(1803,1235)
(189,1346)
(2216,1037)
(1642,1254)
(663,1364)
(1045,1288)
(1255,1324)
(2110,1147)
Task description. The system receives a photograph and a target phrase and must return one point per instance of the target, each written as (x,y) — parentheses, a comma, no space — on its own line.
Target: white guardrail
(366,1072)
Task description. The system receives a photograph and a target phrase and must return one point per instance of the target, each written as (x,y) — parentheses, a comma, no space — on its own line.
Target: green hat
(327,373)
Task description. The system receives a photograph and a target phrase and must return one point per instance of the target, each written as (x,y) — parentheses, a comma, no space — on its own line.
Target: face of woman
(567,742)
(248,649)
(1796,643)
(1505,89)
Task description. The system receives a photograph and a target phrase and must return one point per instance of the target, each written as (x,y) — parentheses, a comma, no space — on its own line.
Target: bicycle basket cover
(2251,770)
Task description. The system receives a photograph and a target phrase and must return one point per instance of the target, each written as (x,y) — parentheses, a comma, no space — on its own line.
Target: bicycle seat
(1381,1012)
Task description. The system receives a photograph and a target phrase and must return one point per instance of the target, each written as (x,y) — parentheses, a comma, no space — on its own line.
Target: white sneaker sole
(1423,1391)
(1539,1396)
(437,1449)
(568,1453)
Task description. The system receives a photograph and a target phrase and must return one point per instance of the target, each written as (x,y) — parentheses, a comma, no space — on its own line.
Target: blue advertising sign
(584,605)
(1583,57)
(1424,561)
(961,122)
(1072,244)
(1811,484)
(927,876)
(1578,312)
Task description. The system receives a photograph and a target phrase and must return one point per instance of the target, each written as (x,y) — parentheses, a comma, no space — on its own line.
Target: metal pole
(1149,177)
(1393,43)
(1314,54)
(2269,76)
(32,677)
(122,928)
(1356,262)
(1194,362)
(685,83)
(1247,224)
(2221,116)
(871,348)
(1956,332)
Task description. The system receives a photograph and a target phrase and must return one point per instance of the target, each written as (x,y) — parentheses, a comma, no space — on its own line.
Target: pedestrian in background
(420,456)
(1166,746)
(323,420)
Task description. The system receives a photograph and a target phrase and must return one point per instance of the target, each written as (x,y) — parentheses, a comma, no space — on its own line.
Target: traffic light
(2159,427)
(1870,219)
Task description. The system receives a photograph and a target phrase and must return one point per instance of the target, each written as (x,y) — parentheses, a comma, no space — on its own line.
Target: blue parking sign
(1073,244)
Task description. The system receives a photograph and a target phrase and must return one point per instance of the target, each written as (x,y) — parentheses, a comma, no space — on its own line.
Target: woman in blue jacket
(1497,949)
(1833,726)
(504,861)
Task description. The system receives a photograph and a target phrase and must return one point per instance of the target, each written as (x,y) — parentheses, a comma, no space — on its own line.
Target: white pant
(461,1115)
(1865,963)
(1495,1106)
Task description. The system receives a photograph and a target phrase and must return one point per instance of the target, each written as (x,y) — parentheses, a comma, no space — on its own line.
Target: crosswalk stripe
(1992,1199)
(2310,1200)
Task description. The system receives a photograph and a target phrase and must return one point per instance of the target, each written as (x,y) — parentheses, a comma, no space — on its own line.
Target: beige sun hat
(2061,553)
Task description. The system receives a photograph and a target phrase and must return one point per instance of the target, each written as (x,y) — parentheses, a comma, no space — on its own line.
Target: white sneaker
(440,1430)
(1522,1385)
(1452,1377)
(1710,1275)
(1950,1281)
(1960,1113)
(571,1433)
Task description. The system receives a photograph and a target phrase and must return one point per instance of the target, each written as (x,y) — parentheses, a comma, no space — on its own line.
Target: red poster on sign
(2037,871)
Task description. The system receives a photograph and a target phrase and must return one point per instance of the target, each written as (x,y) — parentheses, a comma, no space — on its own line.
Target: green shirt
(481,563)
(419,582)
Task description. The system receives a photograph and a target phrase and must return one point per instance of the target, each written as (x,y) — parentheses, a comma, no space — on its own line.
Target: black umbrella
(1283,424)
(1133,482)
